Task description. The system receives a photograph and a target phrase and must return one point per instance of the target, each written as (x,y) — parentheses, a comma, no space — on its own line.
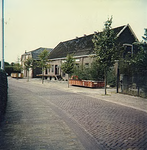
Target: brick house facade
(82,49)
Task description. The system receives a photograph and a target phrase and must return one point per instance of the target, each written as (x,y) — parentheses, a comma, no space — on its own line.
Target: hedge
(3,93)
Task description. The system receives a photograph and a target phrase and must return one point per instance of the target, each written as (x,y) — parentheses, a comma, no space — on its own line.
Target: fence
(3,94)
(136,86)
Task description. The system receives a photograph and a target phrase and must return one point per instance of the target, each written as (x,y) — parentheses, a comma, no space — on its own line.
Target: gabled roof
(84,45)
(37,51)
(128,26)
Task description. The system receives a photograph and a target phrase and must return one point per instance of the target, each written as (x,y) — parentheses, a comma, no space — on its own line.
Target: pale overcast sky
(30,24)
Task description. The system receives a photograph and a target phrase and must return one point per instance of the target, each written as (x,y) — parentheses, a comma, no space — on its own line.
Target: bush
(93,72)
(9,70)
(111,78)
(3,93)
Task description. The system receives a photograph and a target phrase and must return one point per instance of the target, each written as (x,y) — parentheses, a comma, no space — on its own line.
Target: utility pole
(2,61)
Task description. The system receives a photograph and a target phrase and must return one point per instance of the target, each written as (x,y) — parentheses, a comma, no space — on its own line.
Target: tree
(145,35)
(28,64)
(96,71)
(92,72)
(17,67)
(68,66)
(138,65)
(135,66)
(106,48)
(43,62)
(12,68)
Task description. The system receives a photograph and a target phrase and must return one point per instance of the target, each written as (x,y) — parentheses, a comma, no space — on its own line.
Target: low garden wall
(3,94)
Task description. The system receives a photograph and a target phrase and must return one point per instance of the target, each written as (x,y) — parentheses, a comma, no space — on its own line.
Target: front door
(56,69)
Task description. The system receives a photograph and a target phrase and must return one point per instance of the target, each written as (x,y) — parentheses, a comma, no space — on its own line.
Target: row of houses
(81,48)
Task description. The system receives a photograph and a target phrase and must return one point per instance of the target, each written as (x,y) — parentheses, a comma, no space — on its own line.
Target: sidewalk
(121,99)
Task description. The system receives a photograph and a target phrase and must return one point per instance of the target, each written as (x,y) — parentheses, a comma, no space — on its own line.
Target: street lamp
(2,62)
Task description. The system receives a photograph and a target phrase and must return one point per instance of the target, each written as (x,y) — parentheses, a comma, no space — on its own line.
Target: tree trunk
(117,84)
(68,80)
(17,75)
(42,75)
(28,76)
(105,82)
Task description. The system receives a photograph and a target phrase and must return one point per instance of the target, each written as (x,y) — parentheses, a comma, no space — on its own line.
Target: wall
(23,59)
(58,62)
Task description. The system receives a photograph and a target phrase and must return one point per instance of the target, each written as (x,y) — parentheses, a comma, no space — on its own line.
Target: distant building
(82,48)
(33,54)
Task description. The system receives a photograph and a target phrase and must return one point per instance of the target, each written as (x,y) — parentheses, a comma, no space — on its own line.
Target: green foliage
(7,64)
(97,71)
(12,68)
(94,72)
(105,46)
(43,61)
(135,67)
(125,67)
(9,70)
(17,67)
(28,64)
(111,78)
(145,35)
(68,65)
(82,72)
(139,66)
(3,93)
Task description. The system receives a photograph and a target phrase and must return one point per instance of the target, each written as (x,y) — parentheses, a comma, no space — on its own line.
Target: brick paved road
(32,125)
(106,125)
(114,126)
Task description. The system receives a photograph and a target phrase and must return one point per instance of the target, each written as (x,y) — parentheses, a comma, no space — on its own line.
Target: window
(86,65)
(52,68)
(77,60)
(63,61)
(128,51)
